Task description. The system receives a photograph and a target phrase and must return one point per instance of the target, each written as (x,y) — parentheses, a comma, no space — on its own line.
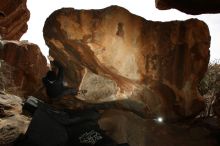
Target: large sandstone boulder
(13,19)
(193,7)
(26,67)
(117,55)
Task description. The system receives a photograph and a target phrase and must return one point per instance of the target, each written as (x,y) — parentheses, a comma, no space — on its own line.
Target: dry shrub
(209,87)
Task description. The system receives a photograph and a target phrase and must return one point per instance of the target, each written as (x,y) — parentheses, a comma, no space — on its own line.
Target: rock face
(13,19)
(193,7)
(28,66)
(12,123)
(117,55)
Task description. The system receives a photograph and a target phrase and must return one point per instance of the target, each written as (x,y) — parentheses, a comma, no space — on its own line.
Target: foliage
(209,87)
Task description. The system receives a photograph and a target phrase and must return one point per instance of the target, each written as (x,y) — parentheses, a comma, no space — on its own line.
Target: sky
(41,9)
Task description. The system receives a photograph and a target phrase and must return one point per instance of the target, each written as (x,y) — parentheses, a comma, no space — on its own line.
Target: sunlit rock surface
(27,66)
(13,19)
(117,55)
(12,123)
(193,7)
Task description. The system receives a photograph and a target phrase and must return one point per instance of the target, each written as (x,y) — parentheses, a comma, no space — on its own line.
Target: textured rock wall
(116,55)
(13,19)
(193,7)
(12,122)
(28,63)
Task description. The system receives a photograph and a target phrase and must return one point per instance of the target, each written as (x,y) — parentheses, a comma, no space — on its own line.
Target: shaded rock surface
(122,126)
(13,19)
(139,132)
(28,66)
(12,123)
(117,55)
(193,7)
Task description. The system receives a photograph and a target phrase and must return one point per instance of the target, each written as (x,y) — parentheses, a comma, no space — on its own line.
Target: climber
(53,82)
(51,126)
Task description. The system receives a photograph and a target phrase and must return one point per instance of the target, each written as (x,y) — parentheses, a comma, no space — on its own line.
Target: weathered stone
(193,7)
(117,55)
(28,63)
(13,19)
(13,123)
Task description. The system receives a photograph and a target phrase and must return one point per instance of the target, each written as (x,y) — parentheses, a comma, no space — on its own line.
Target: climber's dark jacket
(50,127)
(54,83)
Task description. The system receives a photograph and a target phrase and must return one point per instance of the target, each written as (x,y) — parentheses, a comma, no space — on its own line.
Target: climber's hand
(50,58)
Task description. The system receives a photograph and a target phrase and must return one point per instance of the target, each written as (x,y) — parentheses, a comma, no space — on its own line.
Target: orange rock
(28,63)
(13,19)
(114,54)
